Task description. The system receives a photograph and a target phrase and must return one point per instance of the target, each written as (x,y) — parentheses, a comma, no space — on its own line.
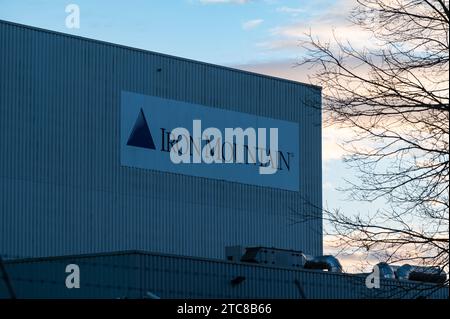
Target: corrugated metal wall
(62,189)
(132,275)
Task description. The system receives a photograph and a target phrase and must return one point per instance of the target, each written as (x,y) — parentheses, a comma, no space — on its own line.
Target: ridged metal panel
(134,274)
(62,189)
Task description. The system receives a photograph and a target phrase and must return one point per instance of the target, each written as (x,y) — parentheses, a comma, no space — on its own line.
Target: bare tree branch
(395,97)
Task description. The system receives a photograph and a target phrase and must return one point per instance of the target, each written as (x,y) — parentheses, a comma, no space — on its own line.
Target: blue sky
(259,35)
(217,31)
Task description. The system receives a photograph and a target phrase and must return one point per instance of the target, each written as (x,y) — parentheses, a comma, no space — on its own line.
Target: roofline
(158,53)
(137,252)
(72,257)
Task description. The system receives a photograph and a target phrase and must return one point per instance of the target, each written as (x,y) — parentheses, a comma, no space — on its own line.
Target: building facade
(76,179)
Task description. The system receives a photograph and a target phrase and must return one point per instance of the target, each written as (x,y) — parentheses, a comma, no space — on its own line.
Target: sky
(261,36)
(227,32)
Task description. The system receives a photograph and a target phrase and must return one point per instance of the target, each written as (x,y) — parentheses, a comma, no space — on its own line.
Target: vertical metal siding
(62,189)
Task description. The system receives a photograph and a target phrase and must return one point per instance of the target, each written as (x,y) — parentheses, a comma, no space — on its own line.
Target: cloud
(333,137)
(322,23)
(252,24)
(290,10)
(285,69)
(328,185)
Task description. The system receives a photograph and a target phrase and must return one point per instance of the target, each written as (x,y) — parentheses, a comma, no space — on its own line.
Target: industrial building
(86,177)
(65,188)
(149,275)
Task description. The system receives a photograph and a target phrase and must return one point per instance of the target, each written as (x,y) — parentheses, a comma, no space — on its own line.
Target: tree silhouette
(394,95)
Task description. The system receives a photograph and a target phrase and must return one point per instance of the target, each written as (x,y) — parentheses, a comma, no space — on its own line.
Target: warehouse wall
(134,274)
(63,190)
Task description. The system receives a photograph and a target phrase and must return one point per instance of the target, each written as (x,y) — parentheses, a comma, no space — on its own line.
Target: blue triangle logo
(140,135)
